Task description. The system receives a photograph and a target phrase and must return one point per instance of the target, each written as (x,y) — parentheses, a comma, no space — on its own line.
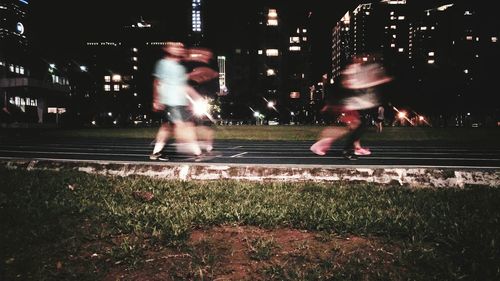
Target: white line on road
(238,155)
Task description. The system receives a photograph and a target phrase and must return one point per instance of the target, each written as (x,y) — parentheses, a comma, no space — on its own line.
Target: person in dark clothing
(355,93)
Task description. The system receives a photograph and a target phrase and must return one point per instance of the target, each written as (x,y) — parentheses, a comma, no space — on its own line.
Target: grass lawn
(73,226)
(306,133)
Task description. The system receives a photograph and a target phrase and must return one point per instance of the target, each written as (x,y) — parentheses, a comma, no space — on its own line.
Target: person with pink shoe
(356,92)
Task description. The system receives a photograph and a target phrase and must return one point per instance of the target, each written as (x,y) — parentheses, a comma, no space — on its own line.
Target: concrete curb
(410,176)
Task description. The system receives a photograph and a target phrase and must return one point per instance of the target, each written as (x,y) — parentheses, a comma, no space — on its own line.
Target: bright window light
(272,52)
(116,78)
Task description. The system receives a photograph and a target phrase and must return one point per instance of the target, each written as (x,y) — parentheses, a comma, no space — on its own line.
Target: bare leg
(206,137)
(328,136)
(185,133)
(161,138)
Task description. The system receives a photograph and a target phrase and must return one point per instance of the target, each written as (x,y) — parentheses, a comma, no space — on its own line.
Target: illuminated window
(304,30)
(107,87)
(116,78)
(272,17)
(393,27)
(272,22)
(423,28)
(494,39)
(294,39)
(134,58)
(401,17)
(125,86)
(431,54)
(272,52)
(107,78)
(259,52)
(134,50)
(393,45)
(430,61)
(466,71)
(401,50)
(294,48)
(116,88)
(272,13)
(468,38)
(135,67)
(304,39)
(270,72)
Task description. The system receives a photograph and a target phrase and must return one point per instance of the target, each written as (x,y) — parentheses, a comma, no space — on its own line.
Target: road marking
(236,147)
(238,155)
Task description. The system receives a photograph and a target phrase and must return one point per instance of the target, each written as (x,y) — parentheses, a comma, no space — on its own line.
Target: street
(261,153)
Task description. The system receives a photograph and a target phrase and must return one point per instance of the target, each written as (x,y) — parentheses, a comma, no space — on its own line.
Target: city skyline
(85,20)
(285,60)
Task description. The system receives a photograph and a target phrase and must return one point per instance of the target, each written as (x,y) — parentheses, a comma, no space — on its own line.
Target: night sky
(61,27)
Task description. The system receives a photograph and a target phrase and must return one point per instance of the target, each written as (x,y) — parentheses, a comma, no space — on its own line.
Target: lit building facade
(30,86)
(442,56)
(270,54)
(221,62)
(122,67)
(197,32)
(282,66)
(341,46)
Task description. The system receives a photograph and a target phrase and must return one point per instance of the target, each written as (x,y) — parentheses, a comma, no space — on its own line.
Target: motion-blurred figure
(379,121)
(204,80)
(170,96)
(355,93)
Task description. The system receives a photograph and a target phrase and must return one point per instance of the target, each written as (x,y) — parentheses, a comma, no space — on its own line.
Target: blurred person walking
(204,80)
(356,93)
(170,97)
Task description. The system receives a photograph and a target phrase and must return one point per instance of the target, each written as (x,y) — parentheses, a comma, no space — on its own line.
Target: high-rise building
(441,56)
(13,29)
(196,22)
(283,66)
(270,43)
(341,46)
(299,101)
(30,86)
(221,62)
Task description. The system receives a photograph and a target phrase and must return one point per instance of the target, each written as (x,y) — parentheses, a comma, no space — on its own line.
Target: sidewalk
(404,176)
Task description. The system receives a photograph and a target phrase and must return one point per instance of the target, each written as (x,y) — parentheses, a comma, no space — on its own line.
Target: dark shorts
(176,114)
(378,120)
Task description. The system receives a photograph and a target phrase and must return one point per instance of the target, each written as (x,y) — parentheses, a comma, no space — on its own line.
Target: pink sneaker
(316,149)
(362,151)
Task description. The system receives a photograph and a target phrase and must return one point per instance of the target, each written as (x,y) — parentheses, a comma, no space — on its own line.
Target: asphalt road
(386,154)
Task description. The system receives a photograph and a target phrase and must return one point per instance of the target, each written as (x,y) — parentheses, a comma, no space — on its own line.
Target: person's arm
(157,105)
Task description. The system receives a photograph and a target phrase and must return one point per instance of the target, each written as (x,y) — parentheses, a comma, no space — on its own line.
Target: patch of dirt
(225,253)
